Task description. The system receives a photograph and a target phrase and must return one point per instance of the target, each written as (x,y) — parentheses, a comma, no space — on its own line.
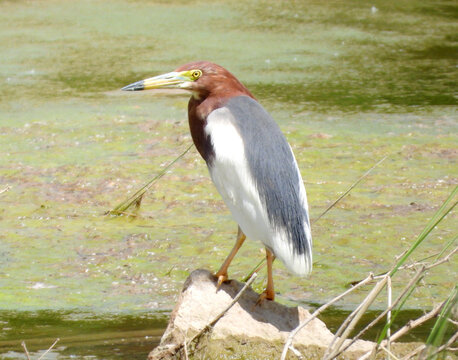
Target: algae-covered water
(348,82)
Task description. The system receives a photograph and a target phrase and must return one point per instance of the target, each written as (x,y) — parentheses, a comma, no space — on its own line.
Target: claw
(265,295)
(221,278)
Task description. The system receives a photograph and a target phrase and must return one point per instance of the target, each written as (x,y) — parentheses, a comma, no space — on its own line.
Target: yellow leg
(222,272)
(269,293)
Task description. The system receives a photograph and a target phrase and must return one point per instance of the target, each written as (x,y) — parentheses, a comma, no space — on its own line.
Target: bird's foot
(265,295)
(222,277)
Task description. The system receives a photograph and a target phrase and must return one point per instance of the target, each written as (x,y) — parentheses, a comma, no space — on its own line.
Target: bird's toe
(221,279)
(265,295)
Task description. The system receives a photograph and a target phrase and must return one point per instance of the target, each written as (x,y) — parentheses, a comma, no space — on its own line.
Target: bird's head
(201,78)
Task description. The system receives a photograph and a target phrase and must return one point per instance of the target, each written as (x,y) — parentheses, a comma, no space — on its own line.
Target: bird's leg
(269,292)
(222,272)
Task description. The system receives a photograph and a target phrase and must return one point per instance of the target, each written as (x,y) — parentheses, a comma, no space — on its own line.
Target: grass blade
(437,334)
(349,189)
(136,198)
(435,220)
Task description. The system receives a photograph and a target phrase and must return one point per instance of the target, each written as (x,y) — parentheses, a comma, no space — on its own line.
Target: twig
(414,352)
(296,352)
(47,351)
(414,323)
(185,350)
(212,323)
(411,283)
(350,189)
(357,314)
(434,264)
(366,355)
(443,260)
(293,333)
(390,354)
(26,351)
(7,188)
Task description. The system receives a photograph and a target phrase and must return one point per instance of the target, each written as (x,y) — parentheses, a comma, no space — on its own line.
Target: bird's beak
(169,80)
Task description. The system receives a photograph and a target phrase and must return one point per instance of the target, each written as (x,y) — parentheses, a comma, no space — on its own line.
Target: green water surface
(348,82)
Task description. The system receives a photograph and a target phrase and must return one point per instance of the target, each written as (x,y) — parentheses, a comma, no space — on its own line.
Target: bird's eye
(196,74)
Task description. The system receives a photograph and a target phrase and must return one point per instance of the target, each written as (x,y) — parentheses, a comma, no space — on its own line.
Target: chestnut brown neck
(206,101)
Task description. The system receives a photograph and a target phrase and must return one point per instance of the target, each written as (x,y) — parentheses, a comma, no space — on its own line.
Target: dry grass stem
(417,322)
(389,353)
(432,265)
(350,189)
(50,348)
(25,349)
(411,283)
(293,333)
(136,198)
(5,189)
(443,260)
(406,328)
(338,341)
(185,346)
(414,353)
(296,352)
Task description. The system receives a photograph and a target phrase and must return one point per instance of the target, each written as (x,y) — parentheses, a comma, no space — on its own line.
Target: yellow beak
(169,80)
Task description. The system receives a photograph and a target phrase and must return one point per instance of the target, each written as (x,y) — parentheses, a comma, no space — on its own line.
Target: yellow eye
(196,74)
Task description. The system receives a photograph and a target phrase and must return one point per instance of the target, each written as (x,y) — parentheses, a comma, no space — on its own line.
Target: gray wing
(274,169)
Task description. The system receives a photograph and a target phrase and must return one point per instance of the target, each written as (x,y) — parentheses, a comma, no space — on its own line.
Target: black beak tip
(139,85)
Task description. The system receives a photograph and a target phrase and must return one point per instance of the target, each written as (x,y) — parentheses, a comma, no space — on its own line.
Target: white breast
(231,175)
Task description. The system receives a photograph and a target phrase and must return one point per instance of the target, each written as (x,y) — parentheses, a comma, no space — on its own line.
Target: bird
(250,163)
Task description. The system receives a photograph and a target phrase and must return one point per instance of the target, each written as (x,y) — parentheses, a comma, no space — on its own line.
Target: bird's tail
(297,261)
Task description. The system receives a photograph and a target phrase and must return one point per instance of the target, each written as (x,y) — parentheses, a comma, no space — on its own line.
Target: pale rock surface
(200,302)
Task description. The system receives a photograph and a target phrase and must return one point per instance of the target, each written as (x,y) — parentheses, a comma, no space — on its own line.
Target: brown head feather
(211,91)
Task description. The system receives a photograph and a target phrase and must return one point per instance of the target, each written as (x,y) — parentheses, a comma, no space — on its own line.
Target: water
(82,335)
(123,336)
(347,83)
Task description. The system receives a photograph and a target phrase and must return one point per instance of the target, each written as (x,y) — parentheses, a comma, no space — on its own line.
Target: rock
(246,331)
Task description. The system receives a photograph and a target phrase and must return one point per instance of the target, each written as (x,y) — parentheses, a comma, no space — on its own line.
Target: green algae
(346,85)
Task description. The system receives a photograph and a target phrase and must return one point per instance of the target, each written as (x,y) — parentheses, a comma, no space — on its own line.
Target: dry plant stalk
(137,197)
(25,350)
(411,283)
(351,188)
(293,333)
(4,190)
(405,329)
(413,323)
(47,351)
(423,268)
(334,348)
(332,351)
(42,355)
